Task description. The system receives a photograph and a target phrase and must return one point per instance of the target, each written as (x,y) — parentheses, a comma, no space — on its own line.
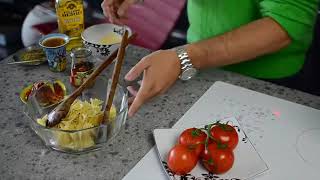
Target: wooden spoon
(115,76)
(58,113)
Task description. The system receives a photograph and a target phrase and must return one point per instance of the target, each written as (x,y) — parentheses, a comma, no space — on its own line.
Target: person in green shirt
(265,39)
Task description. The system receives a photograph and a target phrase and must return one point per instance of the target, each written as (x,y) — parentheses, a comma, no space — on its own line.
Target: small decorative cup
(54,46)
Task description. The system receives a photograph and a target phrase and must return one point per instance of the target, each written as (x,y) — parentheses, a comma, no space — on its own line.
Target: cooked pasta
(82,115)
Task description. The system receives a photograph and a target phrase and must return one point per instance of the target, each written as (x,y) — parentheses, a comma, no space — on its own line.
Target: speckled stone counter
(24,156)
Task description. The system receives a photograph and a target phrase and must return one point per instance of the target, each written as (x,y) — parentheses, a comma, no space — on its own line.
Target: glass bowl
(79,141)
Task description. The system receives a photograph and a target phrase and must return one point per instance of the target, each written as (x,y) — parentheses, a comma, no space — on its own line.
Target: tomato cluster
(212,145)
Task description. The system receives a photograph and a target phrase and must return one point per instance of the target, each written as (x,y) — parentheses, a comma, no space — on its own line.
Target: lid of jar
(81,52)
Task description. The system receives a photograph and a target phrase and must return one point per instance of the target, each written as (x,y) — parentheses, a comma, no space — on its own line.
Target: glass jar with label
(82,65)
(70,15)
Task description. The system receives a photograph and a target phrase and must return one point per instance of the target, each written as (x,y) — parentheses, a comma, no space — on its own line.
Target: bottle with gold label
(71,20)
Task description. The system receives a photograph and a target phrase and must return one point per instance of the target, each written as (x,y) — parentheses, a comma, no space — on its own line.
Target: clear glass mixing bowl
(79,141)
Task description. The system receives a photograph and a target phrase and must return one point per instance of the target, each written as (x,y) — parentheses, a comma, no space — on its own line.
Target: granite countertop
(24,156)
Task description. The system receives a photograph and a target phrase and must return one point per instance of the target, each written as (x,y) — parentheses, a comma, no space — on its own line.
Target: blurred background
(22,22)
(12,13)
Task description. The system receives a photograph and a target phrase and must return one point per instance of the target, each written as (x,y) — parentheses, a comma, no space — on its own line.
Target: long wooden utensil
(57,114)
(115,76)
(25,62)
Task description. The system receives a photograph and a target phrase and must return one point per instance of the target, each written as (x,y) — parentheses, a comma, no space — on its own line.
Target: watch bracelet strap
(183,56)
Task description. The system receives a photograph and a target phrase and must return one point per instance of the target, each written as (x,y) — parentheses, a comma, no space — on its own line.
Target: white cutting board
(286,135)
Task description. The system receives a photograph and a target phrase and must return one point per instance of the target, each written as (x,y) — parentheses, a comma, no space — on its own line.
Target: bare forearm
(258,38)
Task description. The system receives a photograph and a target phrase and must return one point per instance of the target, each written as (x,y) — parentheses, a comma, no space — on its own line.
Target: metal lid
(81,52)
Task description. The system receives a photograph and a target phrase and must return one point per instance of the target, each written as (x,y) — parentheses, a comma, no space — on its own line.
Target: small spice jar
(82,65)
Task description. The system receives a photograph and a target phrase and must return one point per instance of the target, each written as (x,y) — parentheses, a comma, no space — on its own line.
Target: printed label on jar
(77,78)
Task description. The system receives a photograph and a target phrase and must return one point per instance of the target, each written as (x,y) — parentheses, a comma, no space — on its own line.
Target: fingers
(137,70)
(109,12)
(109,8)
(114,18)
(104,5)
(159,73)
(115,10)
(132,91)
(144,93)
(108,2)
(123,8)
(135,105)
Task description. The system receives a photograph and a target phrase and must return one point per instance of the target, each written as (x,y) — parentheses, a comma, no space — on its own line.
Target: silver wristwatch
(187,69)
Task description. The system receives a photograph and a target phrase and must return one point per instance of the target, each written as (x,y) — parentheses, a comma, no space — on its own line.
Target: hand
(160,70)
(116,10)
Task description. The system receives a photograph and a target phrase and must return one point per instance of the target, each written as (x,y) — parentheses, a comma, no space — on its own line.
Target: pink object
(153,21)
(277,113)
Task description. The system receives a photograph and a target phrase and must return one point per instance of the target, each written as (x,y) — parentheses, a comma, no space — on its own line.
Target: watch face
(188,74)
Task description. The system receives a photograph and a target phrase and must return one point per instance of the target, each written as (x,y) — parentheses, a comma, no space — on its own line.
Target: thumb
(137,70)
(124,7)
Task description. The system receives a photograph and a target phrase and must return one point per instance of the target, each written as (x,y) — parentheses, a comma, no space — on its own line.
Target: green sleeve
(297,17)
